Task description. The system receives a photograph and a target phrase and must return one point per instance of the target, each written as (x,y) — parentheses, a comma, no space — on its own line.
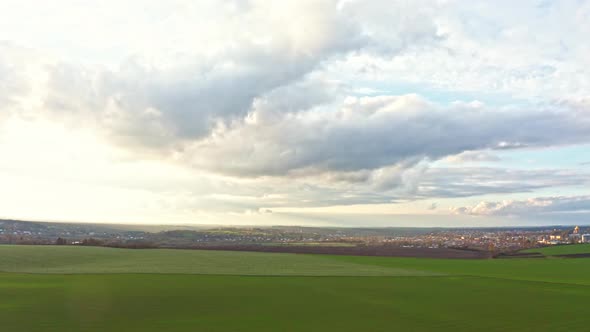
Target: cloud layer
(538,207)
(373,132)
(266,105)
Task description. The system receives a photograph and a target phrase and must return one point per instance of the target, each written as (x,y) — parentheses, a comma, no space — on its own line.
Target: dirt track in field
(582,255)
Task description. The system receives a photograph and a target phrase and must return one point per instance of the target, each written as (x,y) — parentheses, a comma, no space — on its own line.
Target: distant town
(286,238)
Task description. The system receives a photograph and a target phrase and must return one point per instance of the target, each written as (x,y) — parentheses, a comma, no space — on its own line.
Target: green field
(563,249)
(101,289)
(97,260)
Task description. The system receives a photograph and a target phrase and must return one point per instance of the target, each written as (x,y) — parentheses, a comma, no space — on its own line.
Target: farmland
(105,289)
(563,250)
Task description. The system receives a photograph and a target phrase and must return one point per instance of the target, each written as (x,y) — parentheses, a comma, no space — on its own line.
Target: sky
(321,113)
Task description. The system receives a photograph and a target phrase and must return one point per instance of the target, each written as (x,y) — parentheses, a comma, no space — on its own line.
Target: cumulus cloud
(20,71)
(474,181)
(553,205)
(12,83)
(394,26)
(473,157)
(488,49)
(400,184)
(265,47)
(159,97)
(374,132)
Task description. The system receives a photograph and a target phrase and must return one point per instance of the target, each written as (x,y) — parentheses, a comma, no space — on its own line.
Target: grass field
(97,260)
(101,289)
(563,249)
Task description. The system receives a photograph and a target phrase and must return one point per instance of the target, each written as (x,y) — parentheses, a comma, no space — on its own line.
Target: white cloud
(473,157)
(373,132)
(527,50)
(216,107)
(554,206)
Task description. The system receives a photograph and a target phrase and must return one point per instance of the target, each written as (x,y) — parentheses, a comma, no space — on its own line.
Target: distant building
(586,238)
(575,237)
